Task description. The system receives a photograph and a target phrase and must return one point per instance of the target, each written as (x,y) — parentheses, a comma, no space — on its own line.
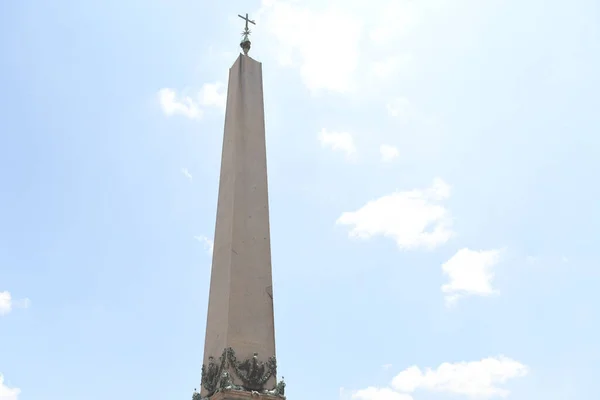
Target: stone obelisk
(239,349)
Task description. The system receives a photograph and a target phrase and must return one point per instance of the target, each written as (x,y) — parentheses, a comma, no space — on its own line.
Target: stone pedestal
(239,395)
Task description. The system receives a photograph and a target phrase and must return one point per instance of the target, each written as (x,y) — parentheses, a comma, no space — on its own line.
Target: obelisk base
(244,395)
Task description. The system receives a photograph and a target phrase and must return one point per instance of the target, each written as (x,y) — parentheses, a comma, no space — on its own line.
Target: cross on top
(245,44)
(247,20)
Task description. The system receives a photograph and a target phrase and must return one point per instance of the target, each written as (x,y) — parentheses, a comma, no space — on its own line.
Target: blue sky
(432,174)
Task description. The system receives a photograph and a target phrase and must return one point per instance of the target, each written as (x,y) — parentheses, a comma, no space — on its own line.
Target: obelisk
(239,349)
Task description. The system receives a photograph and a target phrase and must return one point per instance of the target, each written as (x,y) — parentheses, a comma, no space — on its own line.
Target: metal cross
(245,43)
(247,20)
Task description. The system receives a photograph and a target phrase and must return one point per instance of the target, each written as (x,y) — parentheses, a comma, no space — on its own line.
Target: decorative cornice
(253,374)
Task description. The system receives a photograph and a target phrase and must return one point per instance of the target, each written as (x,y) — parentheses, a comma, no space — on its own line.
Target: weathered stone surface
(240,309)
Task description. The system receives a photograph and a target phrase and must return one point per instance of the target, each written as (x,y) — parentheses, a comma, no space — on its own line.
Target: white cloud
(532,259)
(323,44)
(344,394)
(331,43)
(476,379)
(186,173)
(392,65)
(413,218)
(397,18)
(208,243)
(469,273)
(171,104)
(384,69)
(7,303)
(341,141)
(373,393)
(211,95)
(388,153)
(7,393)
(214,95)
(400,108)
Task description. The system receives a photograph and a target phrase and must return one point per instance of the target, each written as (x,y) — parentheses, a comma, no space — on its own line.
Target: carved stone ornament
(279,389)
(245,45)
(252,372)
(212,373)
(226,383)
(196,395)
